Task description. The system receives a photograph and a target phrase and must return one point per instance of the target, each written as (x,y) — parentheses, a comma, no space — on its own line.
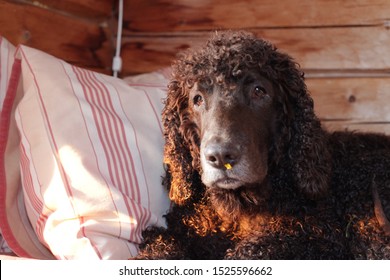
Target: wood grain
(87,9)
(354,104)
(351,99)
(363,48)
(381,127)
(200,15)
(80,42)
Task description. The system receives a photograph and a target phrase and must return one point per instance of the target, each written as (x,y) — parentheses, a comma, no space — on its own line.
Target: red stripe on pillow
(28,181)
(31,193)
(108,120)
(111,133)
(104,121)
(5,119)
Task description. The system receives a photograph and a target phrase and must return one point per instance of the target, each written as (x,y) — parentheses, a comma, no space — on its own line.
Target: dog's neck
(233,212)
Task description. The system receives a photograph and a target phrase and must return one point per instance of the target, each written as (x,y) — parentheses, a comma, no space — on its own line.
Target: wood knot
(352,99)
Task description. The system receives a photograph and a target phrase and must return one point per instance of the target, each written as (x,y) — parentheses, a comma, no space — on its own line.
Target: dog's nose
(220,156)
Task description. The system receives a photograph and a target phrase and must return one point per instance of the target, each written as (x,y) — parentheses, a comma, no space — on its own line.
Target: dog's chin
(227,183)
(233,199)
(231,180)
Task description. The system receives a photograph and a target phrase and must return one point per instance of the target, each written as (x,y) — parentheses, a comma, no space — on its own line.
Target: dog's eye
(258,92)
(198,100)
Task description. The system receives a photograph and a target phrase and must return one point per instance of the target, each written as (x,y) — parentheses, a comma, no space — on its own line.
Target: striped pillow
(90,157)
(7,52)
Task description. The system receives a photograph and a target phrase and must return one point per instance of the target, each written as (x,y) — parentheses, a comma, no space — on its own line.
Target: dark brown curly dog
(252,173)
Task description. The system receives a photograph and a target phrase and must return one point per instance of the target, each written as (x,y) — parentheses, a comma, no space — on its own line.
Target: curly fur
(325,196)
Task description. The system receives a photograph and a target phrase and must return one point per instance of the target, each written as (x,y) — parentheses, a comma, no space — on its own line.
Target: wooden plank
(146,54)
(334,48)
(88,9)
(184,15)
(356,100)
(77,41)
(364,48)
(357,126)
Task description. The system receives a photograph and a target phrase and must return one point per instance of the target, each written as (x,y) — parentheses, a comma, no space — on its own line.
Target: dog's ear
(179,149)
(308,150)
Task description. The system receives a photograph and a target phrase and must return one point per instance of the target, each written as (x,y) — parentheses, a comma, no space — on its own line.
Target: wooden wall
(343,45)
(78,31)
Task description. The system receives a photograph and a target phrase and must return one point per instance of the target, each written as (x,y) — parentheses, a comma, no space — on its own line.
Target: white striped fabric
(90,155)
(16,230)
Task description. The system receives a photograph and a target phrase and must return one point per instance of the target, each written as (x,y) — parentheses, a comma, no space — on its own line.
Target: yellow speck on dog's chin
(228,166)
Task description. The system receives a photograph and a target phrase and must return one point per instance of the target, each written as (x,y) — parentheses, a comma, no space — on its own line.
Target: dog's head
(235,108)
(235,121)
